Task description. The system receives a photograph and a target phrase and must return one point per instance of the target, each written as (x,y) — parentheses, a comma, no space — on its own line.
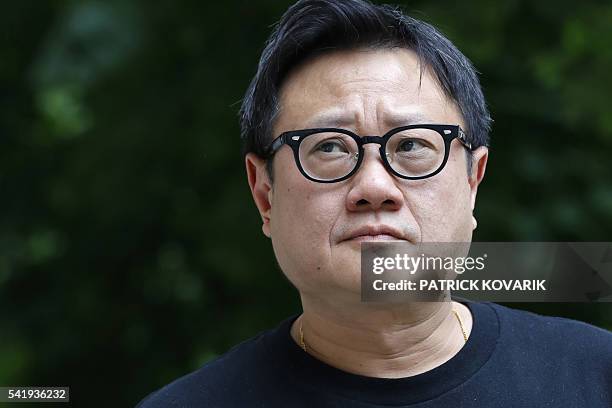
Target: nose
(373,188)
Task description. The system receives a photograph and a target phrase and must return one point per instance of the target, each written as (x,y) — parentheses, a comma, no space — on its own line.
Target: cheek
(303,214)
(442,209)
(309,221)
(305,211)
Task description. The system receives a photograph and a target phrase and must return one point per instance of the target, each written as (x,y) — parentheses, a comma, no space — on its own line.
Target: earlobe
(261,188)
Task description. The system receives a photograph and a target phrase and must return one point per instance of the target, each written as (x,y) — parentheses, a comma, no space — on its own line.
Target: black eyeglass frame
(294,138)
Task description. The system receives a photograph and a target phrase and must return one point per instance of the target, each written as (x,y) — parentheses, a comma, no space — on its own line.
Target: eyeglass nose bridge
(379,140)
(364,140)
(372,139)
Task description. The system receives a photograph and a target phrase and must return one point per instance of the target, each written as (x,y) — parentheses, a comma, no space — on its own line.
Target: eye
(408,145)
(331,146)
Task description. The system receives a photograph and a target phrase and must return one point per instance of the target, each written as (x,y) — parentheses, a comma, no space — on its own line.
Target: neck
(389,341)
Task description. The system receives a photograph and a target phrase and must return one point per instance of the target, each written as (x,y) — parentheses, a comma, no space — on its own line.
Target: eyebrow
(347,119)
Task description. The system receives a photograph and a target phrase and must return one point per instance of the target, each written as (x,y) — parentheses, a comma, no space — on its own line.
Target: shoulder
(209,385)
(555,334)
(540,324)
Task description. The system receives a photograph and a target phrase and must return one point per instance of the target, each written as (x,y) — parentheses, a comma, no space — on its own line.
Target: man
(334,75)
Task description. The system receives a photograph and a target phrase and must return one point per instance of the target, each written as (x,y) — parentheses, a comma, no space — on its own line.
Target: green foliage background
(130,250)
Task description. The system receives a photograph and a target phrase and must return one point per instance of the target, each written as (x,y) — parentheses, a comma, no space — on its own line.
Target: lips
(374,233)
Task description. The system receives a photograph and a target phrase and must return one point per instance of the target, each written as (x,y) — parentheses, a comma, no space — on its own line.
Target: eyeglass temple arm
(463,139)
(276,144)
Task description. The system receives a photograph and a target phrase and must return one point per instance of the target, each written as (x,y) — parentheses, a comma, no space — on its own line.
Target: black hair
(312,27)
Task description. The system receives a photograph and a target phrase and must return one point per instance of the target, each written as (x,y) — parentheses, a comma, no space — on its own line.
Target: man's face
(313,226)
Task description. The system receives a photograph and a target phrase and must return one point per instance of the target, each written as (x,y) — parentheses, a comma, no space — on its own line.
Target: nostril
(362,202)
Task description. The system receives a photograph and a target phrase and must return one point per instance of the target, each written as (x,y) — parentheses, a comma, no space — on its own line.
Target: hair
(312,27)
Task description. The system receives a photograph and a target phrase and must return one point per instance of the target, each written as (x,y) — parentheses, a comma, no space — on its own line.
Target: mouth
(379,237)
(374,233)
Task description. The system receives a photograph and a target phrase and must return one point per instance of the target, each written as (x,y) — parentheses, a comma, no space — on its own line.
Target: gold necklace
(465,337)
(461,325)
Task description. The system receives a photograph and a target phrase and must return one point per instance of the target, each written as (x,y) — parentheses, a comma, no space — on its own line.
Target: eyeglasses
(329,155)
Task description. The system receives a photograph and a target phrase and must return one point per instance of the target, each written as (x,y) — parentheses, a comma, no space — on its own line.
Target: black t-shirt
(512,359)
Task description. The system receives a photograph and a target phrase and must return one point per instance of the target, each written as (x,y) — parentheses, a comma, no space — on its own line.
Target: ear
(479,164)
(261,188)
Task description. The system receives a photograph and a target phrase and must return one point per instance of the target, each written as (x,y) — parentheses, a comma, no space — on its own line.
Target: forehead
(354,88)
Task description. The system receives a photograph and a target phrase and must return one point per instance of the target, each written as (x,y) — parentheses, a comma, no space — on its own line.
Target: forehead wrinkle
(385,109)
(356,117)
